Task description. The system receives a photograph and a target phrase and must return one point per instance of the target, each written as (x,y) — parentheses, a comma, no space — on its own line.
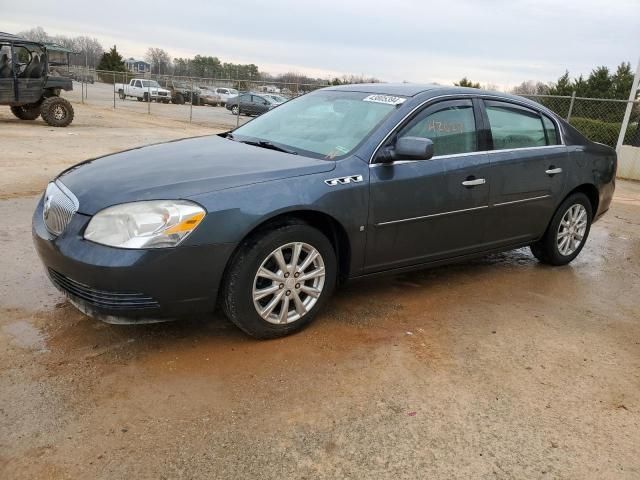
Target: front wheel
(279,280)
(235,110)
(567,233)
(57,111)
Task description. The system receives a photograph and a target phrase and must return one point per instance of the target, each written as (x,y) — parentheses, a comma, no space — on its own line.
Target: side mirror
(407,148)
(413,148)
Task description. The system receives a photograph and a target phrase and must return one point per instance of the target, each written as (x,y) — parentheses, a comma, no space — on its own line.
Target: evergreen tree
(112,61)
(465,82)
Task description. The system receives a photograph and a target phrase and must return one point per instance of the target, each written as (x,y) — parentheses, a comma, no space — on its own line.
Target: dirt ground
(496,368)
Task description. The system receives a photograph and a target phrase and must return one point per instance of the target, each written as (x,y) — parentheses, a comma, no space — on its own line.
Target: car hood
(180,169)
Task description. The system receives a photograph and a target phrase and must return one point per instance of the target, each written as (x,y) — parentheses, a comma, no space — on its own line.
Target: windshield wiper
(270,146)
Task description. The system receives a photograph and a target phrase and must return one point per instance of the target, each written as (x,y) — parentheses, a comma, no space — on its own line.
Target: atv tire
(57,111)
(27,112)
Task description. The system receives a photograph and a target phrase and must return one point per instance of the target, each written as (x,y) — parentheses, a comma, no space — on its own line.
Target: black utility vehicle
(341,183)
(26,84)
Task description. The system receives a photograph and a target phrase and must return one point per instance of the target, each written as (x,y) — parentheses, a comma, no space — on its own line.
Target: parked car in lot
(208,96)
(345,182)
(143,90)
(226,93)
(251,104)
(275,98)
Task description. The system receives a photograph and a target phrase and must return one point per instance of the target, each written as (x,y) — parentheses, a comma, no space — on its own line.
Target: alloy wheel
(288,283)
(572,229)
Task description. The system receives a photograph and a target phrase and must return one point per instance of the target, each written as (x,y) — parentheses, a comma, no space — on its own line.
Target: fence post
(573,99)
(114,90)
(149,97)
(191,106)
(627,112)
(238,102)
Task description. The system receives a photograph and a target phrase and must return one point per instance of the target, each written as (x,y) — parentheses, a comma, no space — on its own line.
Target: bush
(602,132)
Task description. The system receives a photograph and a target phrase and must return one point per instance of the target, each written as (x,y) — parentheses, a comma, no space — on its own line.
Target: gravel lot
(101,95)
(496,368)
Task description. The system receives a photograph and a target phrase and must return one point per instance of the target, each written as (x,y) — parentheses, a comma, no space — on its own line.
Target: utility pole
(627,112)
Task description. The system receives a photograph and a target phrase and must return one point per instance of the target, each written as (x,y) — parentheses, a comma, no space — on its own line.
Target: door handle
(552,171)
(474,182)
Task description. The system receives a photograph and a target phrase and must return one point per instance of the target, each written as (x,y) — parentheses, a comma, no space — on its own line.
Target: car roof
(14,38)
(411,89)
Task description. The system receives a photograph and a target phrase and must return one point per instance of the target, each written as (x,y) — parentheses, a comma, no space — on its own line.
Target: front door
(528,168)
(7,87)
(425,210)
(30,65)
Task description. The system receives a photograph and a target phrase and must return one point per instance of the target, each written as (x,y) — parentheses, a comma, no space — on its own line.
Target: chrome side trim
(469,95)
(402,162)
(391,222)
(531,199)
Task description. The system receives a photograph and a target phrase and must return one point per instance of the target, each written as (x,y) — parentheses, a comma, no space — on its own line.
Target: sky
(501,43)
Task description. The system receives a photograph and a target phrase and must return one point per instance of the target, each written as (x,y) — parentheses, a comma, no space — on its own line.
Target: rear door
(528,165)
(7,90)
(426,210)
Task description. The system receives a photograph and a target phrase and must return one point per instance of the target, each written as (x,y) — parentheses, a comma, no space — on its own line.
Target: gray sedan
(342,183)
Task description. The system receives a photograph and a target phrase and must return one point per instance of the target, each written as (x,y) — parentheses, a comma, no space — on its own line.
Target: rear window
(514,127)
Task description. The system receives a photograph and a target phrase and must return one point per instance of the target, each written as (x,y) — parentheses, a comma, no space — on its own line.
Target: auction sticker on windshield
(388,99)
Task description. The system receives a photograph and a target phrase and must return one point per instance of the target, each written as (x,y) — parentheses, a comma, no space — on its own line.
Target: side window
(514,127)
(137,84)
(550,129)
(22,59)
(6,67)
(451,126)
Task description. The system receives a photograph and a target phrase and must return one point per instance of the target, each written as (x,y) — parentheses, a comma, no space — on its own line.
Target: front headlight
(149,224)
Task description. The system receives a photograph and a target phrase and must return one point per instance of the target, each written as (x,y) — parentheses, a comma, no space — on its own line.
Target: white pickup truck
(143,90)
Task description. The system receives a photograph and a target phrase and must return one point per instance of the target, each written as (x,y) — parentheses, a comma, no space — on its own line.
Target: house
(137,66)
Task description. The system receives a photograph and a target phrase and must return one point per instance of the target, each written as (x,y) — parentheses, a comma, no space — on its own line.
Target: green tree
(112,61)
(465,82)
(622,81)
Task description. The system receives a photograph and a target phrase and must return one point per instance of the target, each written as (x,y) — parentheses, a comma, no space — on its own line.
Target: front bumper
(126,285)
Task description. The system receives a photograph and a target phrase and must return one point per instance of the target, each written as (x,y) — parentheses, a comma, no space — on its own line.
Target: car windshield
(150,83)
(323,124)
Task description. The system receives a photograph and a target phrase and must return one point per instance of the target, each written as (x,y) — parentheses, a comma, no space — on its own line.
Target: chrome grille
(59,206)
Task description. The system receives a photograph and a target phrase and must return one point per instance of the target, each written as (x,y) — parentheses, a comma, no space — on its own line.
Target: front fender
(234,213)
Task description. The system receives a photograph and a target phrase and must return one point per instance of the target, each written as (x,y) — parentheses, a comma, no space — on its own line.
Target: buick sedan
(342,183)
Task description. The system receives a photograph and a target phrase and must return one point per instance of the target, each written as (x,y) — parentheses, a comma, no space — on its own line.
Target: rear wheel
(27,112)
(145,97)
(567,233)
(235,110)
(139,99)
(57,111)
(279,280)
(121,95)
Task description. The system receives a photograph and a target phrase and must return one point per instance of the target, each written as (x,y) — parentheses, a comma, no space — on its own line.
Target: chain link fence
(598,119)
(192,99)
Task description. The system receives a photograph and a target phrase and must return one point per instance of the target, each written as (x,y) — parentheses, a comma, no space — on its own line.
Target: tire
(145,97)
(570,224)
(258,251)
(178,99)
(235,110)
(27,112)
(139,99)
(57,111)
(121,95)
